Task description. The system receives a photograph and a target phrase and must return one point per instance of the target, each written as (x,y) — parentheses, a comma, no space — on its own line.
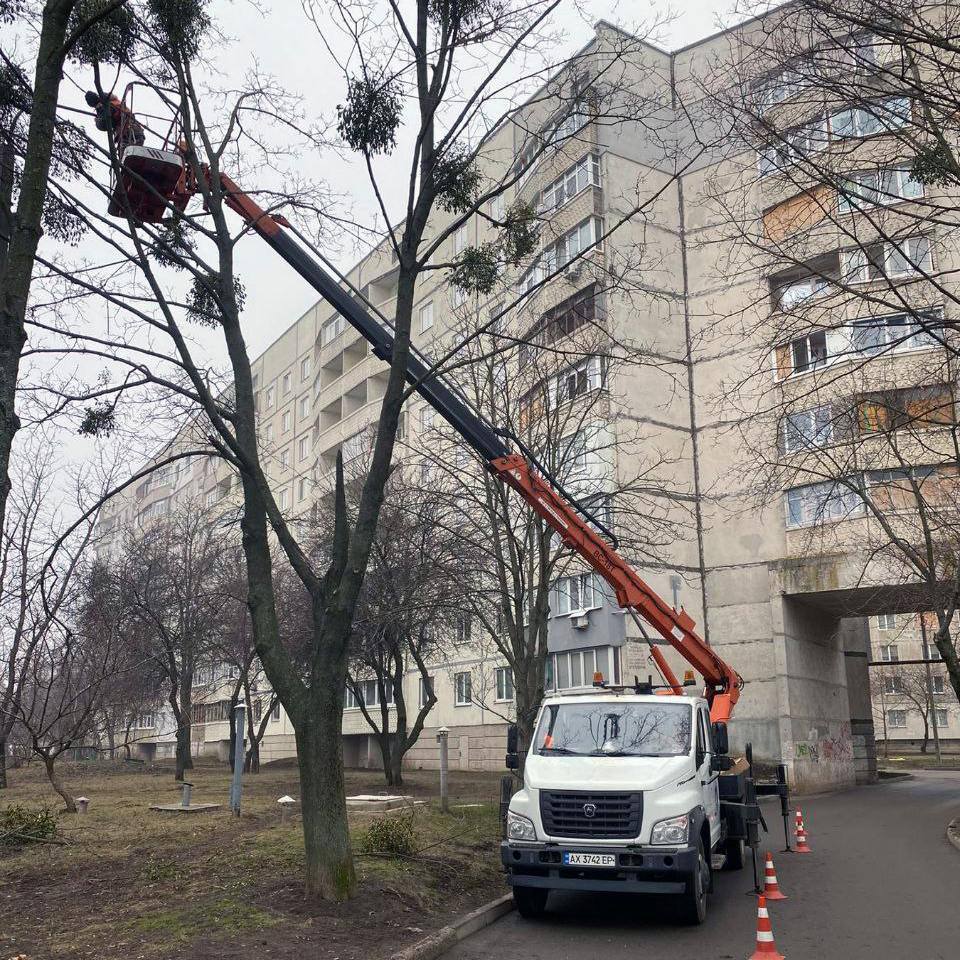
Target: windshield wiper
(563,751)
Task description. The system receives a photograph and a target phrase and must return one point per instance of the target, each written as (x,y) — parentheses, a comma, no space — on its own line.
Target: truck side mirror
(720,763)
(512,760)
(721,742)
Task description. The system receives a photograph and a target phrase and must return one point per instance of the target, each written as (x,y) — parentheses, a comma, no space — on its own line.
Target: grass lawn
(899,760)
(132,883)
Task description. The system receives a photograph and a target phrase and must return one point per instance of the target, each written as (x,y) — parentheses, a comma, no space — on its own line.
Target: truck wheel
(693,905)
(735,853)
(530,901)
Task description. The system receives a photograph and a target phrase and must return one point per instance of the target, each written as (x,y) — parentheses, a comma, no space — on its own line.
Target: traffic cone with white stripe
(802,846)
(766,948)
(771,890)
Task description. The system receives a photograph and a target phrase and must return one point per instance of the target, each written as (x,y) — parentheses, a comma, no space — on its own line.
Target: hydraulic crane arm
(676,627)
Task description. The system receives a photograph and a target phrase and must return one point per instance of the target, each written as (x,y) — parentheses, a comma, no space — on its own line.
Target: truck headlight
(672,832)
(520,828)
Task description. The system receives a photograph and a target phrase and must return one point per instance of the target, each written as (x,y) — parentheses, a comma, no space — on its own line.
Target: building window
(803,354)
(877,261)
(426,316)
(930,652)
(427,414)
(331,330)
(458,296)
(366,692)
(889,653)
(352,447)
(572,595)
(285,458)
(821,503)
(464,627)
(575,669)
(460,239)
(943,718)
(807,428)
(287,383)
(461,688)
(558,322)
(303,448)
(145,721)
(793,147)
(284,499)
(497,208)
(866,121)
(896,332)
(286,421)
(426,687)
(887,621)
(271,395)
(938,683)
(876,188)
(896,719)
(585,173)
(268,433)
(304,405)
(275,712)
(304,369)
(504,677)
(302,489)
(893,685)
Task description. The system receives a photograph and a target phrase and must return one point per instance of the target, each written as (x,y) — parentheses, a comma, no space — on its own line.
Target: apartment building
(906,691)
(791,618)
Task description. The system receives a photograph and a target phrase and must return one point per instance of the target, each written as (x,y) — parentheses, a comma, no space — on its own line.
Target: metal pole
(237,785)
(930,699)
(442,735)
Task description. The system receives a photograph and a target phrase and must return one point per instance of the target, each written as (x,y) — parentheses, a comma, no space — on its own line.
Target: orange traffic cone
(766,948)
(771,890)
(801,835)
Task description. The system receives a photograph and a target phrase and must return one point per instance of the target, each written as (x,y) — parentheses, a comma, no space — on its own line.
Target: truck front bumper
(639,869)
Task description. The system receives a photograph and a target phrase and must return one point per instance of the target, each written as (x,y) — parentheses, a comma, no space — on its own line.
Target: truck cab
(620,794)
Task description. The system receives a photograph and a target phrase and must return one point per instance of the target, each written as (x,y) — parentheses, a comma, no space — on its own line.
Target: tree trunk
(329,860)
(3,764)
(16,273)
(395,776)
(926,734)
(184,758)
(57,784)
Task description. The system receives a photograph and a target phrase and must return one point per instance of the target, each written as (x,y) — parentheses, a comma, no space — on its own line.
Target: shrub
(19,826)
(392,835)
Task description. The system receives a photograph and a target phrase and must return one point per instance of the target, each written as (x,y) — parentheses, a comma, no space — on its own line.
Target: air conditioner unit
(580,622)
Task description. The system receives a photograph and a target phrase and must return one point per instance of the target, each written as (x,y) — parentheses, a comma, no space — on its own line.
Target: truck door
(710,787)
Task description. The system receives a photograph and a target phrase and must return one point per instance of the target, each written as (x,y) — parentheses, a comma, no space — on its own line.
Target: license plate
(589,859)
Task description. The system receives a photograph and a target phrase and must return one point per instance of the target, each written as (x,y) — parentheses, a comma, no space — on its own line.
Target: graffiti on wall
(817,747)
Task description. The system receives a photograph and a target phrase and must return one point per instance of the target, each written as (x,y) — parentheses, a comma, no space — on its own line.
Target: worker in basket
(112,114)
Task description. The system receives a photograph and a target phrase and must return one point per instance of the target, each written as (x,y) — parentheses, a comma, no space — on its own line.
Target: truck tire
(530,901)
(693,902)
(735,853)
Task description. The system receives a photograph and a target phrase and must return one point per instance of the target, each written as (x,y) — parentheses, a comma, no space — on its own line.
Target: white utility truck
(622,792)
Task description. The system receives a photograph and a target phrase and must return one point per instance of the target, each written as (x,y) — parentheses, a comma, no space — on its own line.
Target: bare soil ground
(130,883)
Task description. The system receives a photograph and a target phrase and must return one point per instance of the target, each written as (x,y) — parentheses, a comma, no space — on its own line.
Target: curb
(893,776)
(429,948)
(953,832)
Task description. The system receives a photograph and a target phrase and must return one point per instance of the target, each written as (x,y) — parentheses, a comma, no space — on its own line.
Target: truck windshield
(614,730)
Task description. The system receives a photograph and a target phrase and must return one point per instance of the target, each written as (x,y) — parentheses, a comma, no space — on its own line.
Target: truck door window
(701,739)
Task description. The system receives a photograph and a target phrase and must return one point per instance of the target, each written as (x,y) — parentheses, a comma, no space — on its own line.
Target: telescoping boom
(153,183)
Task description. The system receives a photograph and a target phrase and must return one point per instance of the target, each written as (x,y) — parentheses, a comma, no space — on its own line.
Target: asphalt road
(882,883)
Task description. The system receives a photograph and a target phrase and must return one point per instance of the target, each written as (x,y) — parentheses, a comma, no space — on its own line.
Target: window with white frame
(887,621)
(793,147)
(367,692)
(283,500)
(497,208)
(426,687)
(304,369)
(581,378)
(798,292)
(876,261)
(872,50)
(893,685)
(898,331)
(287,383)
(271,395)
(304,406)
(460,239)
(821,503)
(930,651)
(867,120)
(574,594)
(145,721)
(464,628)
(943,718)
(896,719)
(275,712)
(889,652)
(504,680)
(804,429)
(568,125)
(427,416)
(302,489)
(285,458)
(575,669)
(303,448)
(780,86)
(331,330)
(875,188)
(352,447)
(462,692)
(286,421)
(938,681)
(426,316)
(584,173)
(268,432)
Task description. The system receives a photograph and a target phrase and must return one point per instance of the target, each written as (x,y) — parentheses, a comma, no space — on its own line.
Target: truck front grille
(593,816)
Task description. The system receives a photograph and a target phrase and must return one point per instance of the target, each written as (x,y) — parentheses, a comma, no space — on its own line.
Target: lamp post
(442,734)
